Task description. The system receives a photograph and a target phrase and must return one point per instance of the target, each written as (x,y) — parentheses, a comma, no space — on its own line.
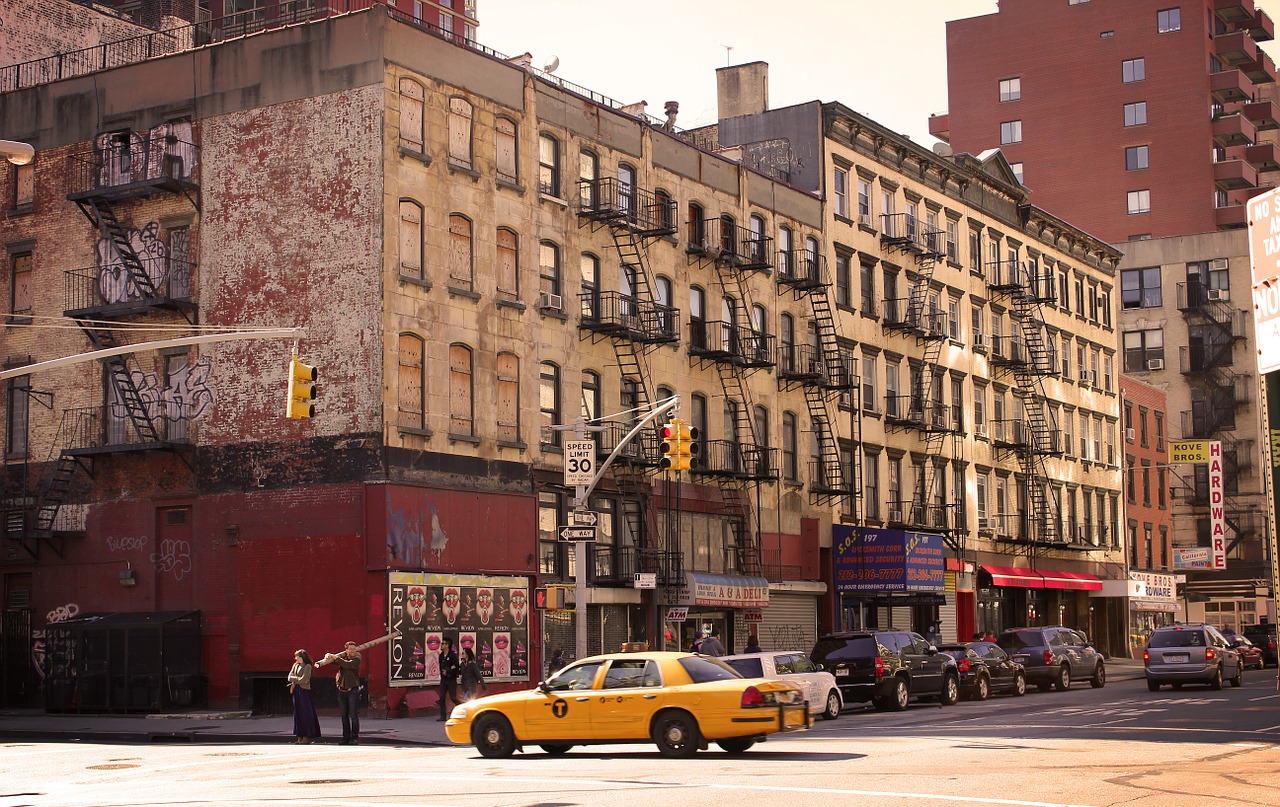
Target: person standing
(306,724)
(753,645)
(448,677)
(348,682)
(557,662)
(711,645)
(470,675)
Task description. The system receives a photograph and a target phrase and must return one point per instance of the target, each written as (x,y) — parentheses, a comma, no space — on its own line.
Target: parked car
(984,668)
(1264,636)
(677,701)
(791,665)
(1190,654)
(887,668)
(1250,653)
(1054,656)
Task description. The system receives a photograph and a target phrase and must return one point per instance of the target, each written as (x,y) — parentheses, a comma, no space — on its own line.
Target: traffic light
(302,389)
(680,446)
(548,599)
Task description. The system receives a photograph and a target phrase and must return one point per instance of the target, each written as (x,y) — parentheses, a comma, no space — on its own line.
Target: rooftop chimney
(742,89)
(672,109)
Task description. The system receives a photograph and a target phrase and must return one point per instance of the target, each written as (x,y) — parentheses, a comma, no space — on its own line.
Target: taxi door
(562,709)
(629,694)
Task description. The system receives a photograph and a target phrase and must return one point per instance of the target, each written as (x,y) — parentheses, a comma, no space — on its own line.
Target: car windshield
(1177,638)
(832,648)
(703,669)
(748,667)
(1018,639)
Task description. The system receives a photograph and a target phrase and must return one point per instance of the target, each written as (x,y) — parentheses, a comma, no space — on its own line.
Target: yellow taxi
(679,701)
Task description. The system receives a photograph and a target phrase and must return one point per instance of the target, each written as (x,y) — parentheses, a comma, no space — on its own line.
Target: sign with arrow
(581,532)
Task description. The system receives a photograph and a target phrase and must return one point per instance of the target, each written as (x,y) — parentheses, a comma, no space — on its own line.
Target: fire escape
(737,346)
(824,373)
(1028,355)
(634,322)
(124,288)
(922,409)
(1219,393)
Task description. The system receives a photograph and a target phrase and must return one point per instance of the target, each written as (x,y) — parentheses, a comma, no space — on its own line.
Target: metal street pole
(1271,419)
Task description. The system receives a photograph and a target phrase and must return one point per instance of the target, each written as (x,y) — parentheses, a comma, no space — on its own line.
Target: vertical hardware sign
(1217,516)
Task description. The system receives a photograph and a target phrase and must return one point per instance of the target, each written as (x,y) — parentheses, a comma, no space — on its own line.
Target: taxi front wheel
(676,734)
(493,737)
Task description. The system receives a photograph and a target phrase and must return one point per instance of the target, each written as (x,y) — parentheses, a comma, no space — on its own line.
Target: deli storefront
(705,601)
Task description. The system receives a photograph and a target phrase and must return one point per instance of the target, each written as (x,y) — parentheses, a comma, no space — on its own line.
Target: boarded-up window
(410,398)
(410,239)
(20,305)
(411,99)
(461,413)
(509,397)
(459,251)
(16,424)
(508,264)
(460,132)
(505,135)
(24,184)
(179,274)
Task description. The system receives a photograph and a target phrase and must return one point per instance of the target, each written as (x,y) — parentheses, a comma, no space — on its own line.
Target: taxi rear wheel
(676,734)
(493,737)
(736,745)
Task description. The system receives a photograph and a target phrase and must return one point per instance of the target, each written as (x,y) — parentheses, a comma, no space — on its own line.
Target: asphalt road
(1120,745)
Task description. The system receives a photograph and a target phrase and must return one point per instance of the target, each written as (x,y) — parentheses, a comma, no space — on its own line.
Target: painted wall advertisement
(868,559)
(489,615)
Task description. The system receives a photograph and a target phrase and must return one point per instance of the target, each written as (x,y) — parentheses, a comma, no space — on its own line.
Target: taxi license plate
(842,673)
(793,718)
(1177,658)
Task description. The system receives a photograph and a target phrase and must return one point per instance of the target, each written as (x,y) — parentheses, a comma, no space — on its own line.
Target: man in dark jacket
(448,677)
(348,681)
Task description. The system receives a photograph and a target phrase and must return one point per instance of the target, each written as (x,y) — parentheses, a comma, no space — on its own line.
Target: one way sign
(580,532)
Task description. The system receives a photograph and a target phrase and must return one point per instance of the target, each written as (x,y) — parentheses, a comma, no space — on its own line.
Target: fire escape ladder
(736,507)
(127,395)
(100,212)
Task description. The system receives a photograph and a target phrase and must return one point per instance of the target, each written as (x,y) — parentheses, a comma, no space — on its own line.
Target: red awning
(1075,581)
(1019,578)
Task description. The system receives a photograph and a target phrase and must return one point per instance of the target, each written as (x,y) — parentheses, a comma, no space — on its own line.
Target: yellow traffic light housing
(302,389)
(679,446)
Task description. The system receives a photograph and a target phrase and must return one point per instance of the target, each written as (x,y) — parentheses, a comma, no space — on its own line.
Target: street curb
(189,737)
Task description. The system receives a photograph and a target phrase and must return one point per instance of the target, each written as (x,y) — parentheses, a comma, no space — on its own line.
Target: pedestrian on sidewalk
(448,678)
(711,645)
(306,724)
(348,682)
(470,675)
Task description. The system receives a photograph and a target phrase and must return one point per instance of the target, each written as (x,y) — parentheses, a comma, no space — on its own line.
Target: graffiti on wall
(115,283)
(187,397)
(173,558)
(126,543)
(38,651)
(407,536)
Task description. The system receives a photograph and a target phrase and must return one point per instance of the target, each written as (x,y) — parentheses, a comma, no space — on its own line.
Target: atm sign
(1188,451)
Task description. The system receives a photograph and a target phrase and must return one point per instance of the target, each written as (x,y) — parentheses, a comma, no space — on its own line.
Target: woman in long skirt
(306,723)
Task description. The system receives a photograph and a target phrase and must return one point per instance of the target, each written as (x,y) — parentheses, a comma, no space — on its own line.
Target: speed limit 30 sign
(579,462)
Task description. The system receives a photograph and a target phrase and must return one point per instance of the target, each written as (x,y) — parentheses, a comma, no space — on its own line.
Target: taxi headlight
(458,713)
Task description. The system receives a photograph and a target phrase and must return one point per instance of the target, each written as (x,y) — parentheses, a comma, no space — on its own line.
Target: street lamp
(17,153)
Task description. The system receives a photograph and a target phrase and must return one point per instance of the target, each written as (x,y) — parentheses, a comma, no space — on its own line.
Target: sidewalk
(34,725)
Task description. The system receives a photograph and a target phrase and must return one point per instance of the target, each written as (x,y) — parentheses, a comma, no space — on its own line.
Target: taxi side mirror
(542,687)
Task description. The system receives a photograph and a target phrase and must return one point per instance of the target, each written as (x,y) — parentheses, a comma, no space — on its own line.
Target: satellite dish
(551,65)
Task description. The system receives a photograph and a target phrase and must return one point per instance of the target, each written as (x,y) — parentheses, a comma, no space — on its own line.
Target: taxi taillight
(1146,657)
(752,697)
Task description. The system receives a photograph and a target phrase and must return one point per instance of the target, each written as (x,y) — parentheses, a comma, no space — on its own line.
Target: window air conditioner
(1130,434)
(980,430)
(1217,295)
(984,523)
(550,302)
(979,341)
(865,219)
(1218,264)
(1084,376)
(1155,364)
(895,514)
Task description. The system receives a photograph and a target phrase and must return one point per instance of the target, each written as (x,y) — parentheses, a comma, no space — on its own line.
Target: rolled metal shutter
(790,623)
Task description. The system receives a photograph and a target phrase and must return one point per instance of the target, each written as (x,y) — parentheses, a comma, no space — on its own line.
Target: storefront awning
(1073,581)
(1016,578)
(732,591)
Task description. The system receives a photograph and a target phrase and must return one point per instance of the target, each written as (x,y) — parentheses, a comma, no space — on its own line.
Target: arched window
(507,160)
(697,227)
(786,262)
(548,402)
(411,102)
(787,343)
(698,413)
(508,264)
(590,287)
(728,235)
(461,391)
(508,399)
(548,165)
(627,190)
(410,401)
(666,314)
(588,180)
(758,454)
(812,268)
(460,271)
(590,395)
(460,132)
(756,249)
(666,211)
(411,239)
(697,318)
(790,469)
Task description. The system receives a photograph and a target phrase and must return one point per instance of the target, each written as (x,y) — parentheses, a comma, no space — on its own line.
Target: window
(548,403)
(1135,114)
(411,239)
(1016,168)
(870,369)
(548,165)
(15,444)
(697,226)
(1011,132)
(506,140)
(549,521)
(24,185)
(548,268)
(627,190)
(871,484)
(461,392)
(412,378)
(590,395)
(975,251)
(588,179)
(1168,20)
(1010,89)
(508,264)
(864,202)
(411,102)
(790,471)
(1139,202)
(1141,348)
(1132,70)
(460,273)
(508,400)
(1159,419)
(20,304)
(953,241)
(698,317)
(1135,158)
(844,292)
(980,408)
(867,281)
(840,187)
(1140,288)
(459,132)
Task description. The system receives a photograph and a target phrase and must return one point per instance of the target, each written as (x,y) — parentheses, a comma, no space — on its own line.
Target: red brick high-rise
(1130,119)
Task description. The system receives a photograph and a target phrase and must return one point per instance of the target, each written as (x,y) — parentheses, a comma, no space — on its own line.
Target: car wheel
(736,745)
(676,734)
(950,691)
(1099,679)
(555,750)
(896,700)
(1216,681)
(982,689)
(1019,684)
(1153,686)
(833,706)
(493,737)
(1063,682)
(1239,679)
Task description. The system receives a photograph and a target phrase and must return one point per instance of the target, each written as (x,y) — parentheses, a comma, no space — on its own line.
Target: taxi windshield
(702,669)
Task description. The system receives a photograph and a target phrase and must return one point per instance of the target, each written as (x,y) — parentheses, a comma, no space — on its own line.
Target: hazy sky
(886,60)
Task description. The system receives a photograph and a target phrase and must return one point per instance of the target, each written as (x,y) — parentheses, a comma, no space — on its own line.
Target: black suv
(1264,636)
(887,668)
(1053,656)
